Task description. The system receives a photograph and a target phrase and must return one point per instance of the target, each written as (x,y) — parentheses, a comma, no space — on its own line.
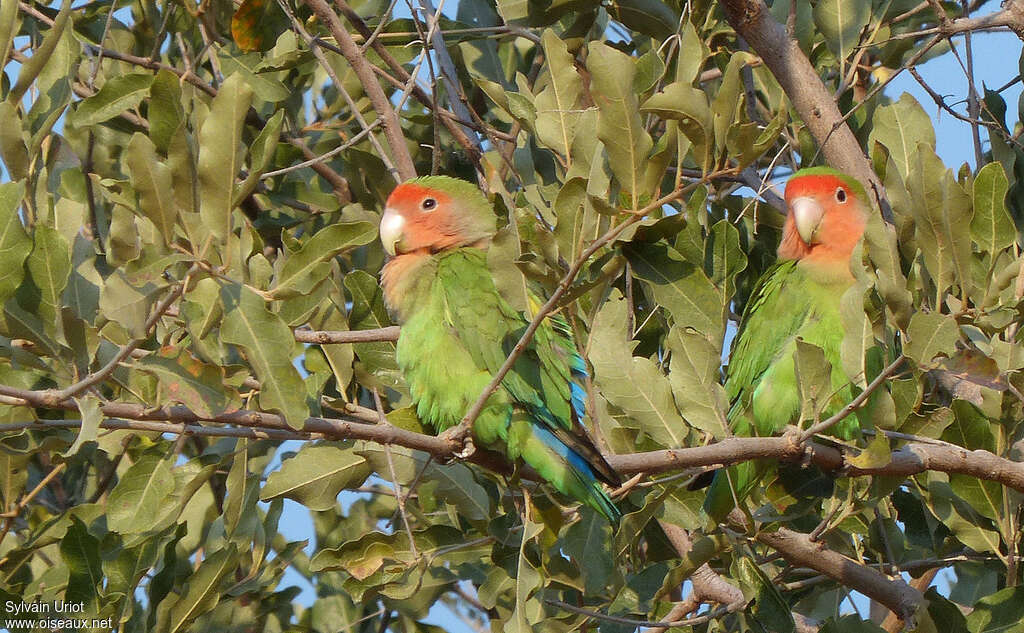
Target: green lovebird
(457,331)
(797,298)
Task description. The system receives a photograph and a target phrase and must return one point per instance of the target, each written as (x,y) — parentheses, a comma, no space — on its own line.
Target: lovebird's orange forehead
(817,184)
(411,194)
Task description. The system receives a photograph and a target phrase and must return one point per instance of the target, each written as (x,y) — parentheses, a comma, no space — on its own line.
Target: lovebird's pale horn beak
(391,225)
(807,215)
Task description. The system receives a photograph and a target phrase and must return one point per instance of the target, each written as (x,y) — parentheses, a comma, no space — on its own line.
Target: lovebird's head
(434,213)
(826,214)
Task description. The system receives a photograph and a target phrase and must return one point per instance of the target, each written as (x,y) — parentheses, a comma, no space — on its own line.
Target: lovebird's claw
(457,436)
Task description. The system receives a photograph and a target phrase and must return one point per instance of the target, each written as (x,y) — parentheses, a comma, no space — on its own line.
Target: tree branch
(809,96)
(799,549)
(360,423)
(448,118)
(328,337)
(856,403)
(392,127)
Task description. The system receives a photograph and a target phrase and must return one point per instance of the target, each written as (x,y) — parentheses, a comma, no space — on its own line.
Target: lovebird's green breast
(433,353)
(788,304)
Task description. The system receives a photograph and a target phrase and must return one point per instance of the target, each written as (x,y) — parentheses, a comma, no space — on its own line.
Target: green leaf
(679,286)
(456,483)
(153,181)
(15,244)
(633,384)
(942,211)
(960,517)
(649,17)
(8,26)
(81,553)
(12,141)
(900,127)
(220,154)
(201,593)
(769,608)
(930,334)
(368,312)
(528,609)
(126,566)
(590,534)
(49,265)
(725,255)
(241,518)
(577,223)
(135,503)
(125,304)
(186,380)
(991,227)
(41,55)
(696,366)
(119,93)
(13,477)
(858,336)
(268,345)
(256,24)
(875,455)
(310,264)
(261,155)
(1000,612)
(841,22)
(812,371)
(165,113)
(728,106)
(946,616)
(316,475)
(89,408)
(364,556)
(558,104)
(619,126)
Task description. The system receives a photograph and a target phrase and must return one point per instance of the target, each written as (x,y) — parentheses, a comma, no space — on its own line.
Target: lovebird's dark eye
(428,204)
(840,195)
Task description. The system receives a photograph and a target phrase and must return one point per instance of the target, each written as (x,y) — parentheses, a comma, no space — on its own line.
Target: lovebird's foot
(459,437)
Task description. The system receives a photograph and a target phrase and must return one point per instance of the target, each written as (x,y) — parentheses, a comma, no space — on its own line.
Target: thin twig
(404,168)
(380,103)
(399,497)
(125,351)
(854,404)
(701,619)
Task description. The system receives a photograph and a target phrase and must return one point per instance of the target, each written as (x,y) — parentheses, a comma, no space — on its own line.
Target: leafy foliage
(189,191)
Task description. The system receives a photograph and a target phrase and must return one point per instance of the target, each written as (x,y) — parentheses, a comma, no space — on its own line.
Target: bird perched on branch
(796,299)
(457,331)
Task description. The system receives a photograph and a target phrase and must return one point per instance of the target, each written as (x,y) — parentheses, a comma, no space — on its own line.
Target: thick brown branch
(327,337)
(912,459)
(1011,16)
(360,424)
(799,549)
(811,99)
(448,118)
(708,585)
(392,127)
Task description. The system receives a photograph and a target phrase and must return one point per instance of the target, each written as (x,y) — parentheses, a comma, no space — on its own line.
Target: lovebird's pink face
(825,219)
(418,219)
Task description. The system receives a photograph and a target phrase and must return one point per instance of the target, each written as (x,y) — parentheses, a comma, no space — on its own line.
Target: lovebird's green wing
(786,304)
(537,410)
